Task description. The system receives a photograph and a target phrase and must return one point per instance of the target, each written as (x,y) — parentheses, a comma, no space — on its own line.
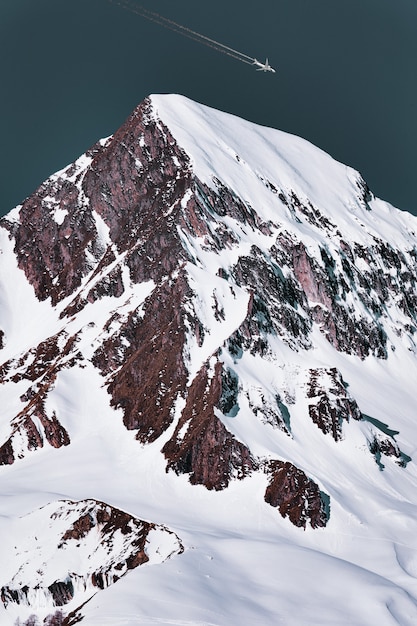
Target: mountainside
(208,359)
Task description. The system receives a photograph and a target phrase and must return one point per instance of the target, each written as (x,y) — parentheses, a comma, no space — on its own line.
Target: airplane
(263,67)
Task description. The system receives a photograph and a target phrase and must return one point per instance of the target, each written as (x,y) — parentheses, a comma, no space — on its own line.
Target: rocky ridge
(103,541)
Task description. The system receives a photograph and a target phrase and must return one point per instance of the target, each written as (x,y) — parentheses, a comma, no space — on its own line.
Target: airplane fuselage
(263,67)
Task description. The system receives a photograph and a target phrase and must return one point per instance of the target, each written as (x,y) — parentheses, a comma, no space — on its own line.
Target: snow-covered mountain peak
(209,327)
(260,163)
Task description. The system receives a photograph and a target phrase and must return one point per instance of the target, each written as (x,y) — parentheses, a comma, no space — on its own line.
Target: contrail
(183,30)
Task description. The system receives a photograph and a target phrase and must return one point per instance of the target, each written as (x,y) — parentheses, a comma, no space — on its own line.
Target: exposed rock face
(382,444)
(201,445)
(31,428)
(325,291)
(136,186)
(34,425)
(131,182)
(273,307)
(54,214)
(42,362)
(6,453)
(146,356)
(332,403)
(296,496)
(102,541)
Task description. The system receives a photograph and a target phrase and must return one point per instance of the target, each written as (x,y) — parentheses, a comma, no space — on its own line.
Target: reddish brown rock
(134,181)
(309,277)
(146,355)
(46,248)
(33,426)
(325,289)
(41,363)
(107,520)
(207,451)
(296,496)
(6,453)
(80,528)
(136,185)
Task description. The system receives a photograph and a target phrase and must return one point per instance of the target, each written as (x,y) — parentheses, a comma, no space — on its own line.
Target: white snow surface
(243,563)
(247,157)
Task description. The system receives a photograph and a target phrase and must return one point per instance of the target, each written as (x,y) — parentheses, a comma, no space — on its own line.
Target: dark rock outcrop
(330,404)
(296,496)
(144,361)
(131,182)
(6,453)
(32,427)
(201,445)
(274,305)
(325,291)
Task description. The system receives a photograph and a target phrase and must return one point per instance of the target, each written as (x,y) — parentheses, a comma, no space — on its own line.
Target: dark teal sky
(72,71)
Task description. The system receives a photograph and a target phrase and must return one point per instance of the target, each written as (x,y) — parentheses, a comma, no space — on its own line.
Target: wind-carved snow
(286,161)
(221,309)
(102,229)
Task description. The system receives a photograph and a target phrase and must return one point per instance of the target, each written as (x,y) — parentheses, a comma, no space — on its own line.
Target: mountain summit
(208,359)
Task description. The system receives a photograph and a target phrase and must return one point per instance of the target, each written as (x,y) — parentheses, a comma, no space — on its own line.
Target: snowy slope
(210,326)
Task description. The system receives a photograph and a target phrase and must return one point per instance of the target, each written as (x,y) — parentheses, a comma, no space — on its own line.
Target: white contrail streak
(183,30)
